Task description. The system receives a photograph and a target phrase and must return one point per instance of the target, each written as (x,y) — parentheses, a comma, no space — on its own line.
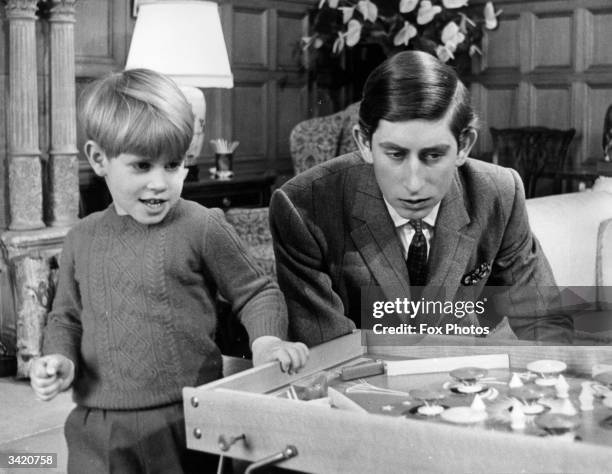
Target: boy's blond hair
(138,111)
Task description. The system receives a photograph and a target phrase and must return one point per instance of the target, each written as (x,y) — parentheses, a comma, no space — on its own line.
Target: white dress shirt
(405,231)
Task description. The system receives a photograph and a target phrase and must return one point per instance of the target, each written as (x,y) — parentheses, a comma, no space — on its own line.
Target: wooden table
(584,173)
(342,441)
(244,190)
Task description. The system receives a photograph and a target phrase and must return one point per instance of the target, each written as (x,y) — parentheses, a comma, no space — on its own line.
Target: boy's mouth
(154,203)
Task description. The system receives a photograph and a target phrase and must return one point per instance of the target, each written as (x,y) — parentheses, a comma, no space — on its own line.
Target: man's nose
(412,175)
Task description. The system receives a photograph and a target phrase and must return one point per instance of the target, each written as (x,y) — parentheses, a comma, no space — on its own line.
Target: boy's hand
(291,355)
(50,375)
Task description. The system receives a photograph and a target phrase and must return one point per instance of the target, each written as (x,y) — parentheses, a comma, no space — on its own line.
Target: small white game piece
(463,415)
(387,408)
(586,397)
(478,404)
(562,387)
(517,416)
(567,408)
(515,381)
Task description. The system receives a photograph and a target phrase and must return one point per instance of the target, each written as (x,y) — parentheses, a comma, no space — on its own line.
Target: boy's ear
(362,143)
(466,142)
(96,156)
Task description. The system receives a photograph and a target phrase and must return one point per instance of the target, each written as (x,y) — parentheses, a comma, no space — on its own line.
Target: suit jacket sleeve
(316,312)
(530,298)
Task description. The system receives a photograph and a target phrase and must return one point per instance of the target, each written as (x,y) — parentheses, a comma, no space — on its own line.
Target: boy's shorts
(132,441)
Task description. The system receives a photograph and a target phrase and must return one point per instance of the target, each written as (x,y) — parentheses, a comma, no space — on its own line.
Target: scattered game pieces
(586,397)
(518,420)
(515,381)
(604,378)
(468,378)
(547,369)
(567,408)
(463,415)
(529,396)
(562,387)
(430,399)
(478,404)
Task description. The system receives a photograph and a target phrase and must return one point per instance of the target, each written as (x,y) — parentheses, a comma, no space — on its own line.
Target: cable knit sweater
(135,305)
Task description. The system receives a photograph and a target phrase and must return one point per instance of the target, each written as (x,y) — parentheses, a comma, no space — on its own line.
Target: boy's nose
(157,181)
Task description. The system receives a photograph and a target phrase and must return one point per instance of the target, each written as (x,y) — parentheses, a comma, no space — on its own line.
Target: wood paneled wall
(549,63)
(270,92)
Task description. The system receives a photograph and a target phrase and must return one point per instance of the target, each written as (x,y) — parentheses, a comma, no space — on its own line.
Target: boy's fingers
(38,369)
(284,359)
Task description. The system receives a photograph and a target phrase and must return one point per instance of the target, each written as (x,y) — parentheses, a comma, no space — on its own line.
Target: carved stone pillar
(24,167)
(63,169)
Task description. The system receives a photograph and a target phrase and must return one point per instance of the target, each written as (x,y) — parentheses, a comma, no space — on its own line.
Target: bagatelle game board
(415,408)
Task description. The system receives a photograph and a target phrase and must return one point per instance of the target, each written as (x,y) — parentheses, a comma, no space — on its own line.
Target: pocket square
(476,275)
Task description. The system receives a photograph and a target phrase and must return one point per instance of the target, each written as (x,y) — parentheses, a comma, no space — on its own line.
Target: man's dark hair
(415,85)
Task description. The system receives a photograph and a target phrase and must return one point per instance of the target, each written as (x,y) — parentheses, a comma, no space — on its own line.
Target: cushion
(603,183)
(567,227)
(604,265)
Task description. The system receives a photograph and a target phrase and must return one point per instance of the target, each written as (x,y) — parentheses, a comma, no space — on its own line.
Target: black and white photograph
(310,236)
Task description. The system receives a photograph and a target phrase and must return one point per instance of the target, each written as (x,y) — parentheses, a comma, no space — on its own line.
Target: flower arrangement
(445,28)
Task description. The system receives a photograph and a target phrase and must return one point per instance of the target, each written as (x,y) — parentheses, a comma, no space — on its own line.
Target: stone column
(63,170)
(24,167)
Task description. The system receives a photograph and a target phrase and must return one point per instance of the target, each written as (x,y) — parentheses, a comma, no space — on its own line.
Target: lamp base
(196,99)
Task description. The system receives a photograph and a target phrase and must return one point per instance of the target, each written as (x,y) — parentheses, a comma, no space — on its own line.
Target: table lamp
(184,41)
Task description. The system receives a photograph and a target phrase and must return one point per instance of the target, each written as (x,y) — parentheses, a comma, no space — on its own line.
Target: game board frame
(338,441)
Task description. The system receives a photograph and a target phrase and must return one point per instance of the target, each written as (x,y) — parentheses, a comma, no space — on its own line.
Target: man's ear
(96,156)
(466,142)
(362,143)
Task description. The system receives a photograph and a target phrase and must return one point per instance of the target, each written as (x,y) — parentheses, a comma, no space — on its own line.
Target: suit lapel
(374,236)
(452,245)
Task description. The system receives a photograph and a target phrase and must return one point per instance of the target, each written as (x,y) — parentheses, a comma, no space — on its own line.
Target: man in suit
(412,215)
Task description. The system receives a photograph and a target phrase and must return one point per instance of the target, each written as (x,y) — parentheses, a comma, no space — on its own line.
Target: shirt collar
(398,221)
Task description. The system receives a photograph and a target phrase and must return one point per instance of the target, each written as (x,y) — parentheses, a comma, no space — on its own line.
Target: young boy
(134,315)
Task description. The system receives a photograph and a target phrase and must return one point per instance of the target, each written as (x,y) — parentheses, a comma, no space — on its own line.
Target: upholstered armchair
(253,227)
(319,139)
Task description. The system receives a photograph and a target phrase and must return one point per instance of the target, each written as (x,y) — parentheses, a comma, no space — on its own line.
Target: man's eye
(395,155)
(434,156)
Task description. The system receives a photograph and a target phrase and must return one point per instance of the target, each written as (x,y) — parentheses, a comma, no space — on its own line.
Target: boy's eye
(174,165)
(142,165)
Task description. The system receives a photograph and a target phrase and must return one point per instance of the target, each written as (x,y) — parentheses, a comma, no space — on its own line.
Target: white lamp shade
(183,40)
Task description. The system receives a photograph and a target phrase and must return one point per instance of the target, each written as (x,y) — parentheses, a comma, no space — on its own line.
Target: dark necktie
(417,255)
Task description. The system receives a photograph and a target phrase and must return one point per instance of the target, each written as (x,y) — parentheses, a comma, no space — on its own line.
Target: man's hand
(291,355)
(50,375)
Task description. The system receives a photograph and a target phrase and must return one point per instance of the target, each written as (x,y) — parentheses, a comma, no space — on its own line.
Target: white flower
(444,54)
(490,16)
(465,19)
(475,50)
(368,10)
(353,33)
(451,35)
(313,41)
(406,6)
(347,13)
(404,35)
(450,4)
(427,12)
(338,44)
